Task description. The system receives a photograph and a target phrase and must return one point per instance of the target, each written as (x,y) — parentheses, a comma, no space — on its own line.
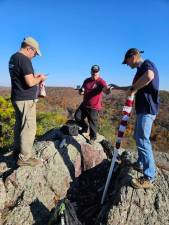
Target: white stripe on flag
(127,109)
(131,98)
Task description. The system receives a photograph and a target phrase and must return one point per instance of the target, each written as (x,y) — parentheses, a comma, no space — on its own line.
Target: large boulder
(72,166)
(129,206)
(28,194)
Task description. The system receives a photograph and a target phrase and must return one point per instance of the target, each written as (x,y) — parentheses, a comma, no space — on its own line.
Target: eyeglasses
(34,50)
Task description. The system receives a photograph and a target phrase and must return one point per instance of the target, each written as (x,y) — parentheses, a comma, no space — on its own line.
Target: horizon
(74,35)
(72,88)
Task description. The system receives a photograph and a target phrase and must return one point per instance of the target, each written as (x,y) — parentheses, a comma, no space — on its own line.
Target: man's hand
(113,86)
(81,91)
(107,90)
(116,87)
(43,77)
(34,79)
(131,91)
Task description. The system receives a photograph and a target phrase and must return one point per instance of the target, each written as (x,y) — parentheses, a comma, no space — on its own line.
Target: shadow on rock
(61,143)
(7,164)
(40,212)
(63,151)
(120,179)
(86,192)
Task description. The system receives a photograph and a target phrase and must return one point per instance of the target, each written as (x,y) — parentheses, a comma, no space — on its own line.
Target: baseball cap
(130,52)
(33,43)
(95,68)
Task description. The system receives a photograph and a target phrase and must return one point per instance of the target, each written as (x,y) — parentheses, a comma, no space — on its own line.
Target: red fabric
(123,122)
(125,113)
(129,103)
(93,90)
(118,145)
(120,134)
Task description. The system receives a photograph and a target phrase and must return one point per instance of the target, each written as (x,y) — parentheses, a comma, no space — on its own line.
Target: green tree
(6,122)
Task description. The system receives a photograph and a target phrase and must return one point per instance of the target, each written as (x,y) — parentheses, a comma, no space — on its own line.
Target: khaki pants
(25,127)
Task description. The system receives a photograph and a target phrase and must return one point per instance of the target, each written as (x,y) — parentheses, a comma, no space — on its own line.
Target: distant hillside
(4,91)
(68,99)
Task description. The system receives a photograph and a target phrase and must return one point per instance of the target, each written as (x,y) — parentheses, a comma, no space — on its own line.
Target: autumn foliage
(61,103)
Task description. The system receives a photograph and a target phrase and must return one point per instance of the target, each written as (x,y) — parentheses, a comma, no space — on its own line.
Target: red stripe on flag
(124,123)
(117,145)
(129,103)
(120,134)
(126,113)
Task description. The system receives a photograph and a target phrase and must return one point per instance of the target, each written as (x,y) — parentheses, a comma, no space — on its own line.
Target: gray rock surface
(28,194)
(140,207)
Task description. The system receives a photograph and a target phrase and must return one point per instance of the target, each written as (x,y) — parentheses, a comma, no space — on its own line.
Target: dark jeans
(92,115)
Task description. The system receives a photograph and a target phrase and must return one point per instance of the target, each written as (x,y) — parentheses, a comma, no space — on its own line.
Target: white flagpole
(115,154)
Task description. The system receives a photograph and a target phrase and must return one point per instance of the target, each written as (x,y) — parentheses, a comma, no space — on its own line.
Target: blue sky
(75,34)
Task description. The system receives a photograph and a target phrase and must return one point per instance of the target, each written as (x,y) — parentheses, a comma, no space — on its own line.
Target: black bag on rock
(64,214)
(70,128)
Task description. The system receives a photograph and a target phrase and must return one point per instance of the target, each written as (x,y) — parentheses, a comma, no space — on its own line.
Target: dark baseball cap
(131,52)
(95,68)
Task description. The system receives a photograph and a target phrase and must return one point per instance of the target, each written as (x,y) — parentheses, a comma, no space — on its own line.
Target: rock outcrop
(27,194)
(140,207)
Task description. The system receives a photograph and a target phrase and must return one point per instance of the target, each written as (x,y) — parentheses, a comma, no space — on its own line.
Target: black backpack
(70,128)
(64,214)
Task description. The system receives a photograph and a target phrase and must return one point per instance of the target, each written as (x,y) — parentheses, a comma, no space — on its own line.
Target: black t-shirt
(147,98)
(19,66)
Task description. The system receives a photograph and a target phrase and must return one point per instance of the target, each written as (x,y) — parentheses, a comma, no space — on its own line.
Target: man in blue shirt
(145,87)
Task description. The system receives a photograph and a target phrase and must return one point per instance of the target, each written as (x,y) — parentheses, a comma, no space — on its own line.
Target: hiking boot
(141,183)
(29,162)
(137,167)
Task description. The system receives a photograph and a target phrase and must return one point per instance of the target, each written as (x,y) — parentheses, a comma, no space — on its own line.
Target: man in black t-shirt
(24,95)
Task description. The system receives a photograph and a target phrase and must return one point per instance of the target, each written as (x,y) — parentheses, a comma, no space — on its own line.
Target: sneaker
(137,167)
(29,162)
(141,183)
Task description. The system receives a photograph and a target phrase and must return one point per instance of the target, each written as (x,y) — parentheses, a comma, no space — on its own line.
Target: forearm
(114,86)
(32,80)
(143,81)
(124,88)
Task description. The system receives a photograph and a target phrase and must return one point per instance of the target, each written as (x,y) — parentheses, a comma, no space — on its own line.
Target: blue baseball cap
(131,52)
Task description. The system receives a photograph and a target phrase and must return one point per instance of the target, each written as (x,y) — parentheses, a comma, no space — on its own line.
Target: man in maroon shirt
(92,89)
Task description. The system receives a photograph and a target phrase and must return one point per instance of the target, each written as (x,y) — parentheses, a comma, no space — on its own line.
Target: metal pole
(115,154)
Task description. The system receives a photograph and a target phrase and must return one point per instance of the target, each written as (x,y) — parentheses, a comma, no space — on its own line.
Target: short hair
(24,45)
